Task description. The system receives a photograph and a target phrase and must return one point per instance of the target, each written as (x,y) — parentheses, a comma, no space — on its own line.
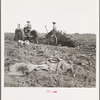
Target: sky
(72,16)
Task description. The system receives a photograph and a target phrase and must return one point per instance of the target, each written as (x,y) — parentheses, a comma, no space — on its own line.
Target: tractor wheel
(19,34)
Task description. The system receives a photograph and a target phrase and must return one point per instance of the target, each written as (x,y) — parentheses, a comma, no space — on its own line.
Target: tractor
(25,34)
(55,37)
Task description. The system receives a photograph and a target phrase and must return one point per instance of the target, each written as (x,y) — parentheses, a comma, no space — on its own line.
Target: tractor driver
(54,26)
(28,27)
(54,29)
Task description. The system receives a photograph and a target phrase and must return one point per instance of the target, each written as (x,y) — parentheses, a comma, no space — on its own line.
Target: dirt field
(83,59)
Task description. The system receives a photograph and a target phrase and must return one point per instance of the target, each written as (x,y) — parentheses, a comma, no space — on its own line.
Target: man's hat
(28,21)
(54,22)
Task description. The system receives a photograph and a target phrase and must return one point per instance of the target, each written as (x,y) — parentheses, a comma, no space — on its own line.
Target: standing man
(54,26)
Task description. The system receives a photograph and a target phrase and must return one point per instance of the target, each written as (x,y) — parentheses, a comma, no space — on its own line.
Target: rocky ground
(83,60)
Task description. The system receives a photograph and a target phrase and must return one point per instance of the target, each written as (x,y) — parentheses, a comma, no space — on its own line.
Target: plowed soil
(83,60)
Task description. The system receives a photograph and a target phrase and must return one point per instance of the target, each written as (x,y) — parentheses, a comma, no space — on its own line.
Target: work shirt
(28,25)
(54,27)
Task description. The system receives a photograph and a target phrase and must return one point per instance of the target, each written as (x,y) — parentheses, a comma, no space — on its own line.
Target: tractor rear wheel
(19,34)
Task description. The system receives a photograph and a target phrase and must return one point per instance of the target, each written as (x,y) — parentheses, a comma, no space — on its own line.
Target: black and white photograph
(50,44)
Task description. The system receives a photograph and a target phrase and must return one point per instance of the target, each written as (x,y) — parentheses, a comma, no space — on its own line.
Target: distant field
(83,59)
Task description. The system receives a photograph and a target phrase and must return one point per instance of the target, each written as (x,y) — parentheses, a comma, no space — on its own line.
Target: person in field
(27,29)
(28,25)
(54,26)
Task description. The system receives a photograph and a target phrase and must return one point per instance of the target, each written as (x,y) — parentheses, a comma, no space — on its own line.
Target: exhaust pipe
(46,28)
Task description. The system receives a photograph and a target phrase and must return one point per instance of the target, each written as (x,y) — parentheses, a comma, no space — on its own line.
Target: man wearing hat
(27,28)
(28,25)
(54,26)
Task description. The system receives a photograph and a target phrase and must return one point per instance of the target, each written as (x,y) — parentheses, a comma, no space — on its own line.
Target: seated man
(27,27)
